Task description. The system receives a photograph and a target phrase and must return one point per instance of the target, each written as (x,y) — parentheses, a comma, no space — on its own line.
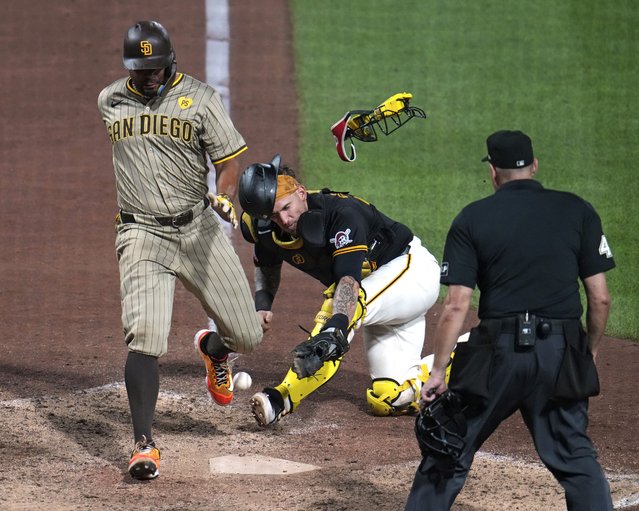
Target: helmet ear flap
(258,187)
(276,160)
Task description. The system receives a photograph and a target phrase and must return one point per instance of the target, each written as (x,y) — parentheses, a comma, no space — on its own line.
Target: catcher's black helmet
(258,186)
(147,45)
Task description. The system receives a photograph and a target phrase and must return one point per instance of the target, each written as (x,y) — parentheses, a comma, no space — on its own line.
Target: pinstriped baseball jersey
(160,145)
(159,157)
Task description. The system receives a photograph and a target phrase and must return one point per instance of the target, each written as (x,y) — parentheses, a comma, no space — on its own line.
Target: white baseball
(242,380)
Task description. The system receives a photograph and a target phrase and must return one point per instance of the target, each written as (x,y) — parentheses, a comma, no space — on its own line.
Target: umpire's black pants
(523,379)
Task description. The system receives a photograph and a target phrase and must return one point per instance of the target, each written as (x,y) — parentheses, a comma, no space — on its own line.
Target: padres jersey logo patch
(184,103)
(146,48)
(341,239)
(298,259)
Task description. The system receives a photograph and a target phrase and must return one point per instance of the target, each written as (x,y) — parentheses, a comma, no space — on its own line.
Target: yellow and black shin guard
(293,389)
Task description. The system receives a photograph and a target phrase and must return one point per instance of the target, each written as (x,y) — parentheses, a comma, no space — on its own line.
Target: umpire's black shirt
(525,248)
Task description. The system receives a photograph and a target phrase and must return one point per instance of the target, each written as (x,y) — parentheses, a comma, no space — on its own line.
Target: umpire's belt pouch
(577,378)
(470,371)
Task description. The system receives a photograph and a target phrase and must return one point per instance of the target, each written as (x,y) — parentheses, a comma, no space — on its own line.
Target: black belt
(168,221)
(555,326)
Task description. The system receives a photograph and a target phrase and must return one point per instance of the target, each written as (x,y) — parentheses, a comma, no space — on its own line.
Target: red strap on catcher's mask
(340,130)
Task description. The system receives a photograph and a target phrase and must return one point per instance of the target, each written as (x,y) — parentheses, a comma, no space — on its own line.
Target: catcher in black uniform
(378,276)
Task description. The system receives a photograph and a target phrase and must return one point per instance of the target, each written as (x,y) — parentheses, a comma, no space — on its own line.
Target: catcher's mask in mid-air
(258,187)
(147,45)
(440,429)
(360,124)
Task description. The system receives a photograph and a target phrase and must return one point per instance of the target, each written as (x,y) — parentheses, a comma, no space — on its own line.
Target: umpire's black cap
(509,149)
(147,45)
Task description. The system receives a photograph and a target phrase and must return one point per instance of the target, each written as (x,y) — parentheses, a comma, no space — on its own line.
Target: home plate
(255,464)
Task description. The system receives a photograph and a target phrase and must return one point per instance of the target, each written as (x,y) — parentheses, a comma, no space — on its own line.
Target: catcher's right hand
(329,344)
(266,318)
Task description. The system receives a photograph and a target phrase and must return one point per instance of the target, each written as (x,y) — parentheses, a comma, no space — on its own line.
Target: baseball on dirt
(242,380)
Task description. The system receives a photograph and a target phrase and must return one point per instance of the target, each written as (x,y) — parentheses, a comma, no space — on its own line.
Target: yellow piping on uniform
(131,89)
(393,281)
(246,219)
(294,244)
(178,79)
(355,248)
(231,156)
(361,200)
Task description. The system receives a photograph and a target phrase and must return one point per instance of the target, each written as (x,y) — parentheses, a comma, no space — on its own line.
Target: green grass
(565,72)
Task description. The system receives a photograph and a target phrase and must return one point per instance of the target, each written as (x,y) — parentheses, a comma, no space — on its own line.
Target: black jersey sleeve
(595,254)
(262,256)
(349,264)
(460,261)
(347,240)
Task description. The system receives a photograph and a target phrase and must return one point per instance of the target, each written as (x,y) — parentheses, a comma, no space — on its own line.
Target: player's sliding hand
(223,206)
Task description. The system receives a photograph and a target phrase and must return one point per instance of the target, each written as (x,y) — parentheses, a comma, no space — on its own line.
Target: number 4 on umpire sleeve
(604,248)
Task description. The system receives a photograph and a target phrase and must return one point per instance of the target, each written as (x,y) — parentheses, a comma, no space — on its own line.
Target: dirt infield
(65,431)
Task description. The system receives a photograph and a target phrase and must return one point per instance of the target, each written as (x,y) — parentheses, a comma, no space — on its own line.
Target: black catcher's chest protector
(377,238)
(273,246)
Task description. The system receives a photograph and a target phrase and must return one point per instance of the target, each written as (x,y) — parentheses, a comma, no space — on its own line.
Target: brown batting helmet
(147,45)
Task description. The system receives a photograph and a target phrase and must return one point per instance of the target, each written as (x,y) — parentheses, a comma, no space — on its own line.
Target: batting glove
(223,206)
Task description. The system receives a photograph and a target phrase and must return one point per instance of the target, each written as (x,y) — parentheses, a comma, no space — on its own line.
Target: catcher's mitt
(329,344)
(440,429)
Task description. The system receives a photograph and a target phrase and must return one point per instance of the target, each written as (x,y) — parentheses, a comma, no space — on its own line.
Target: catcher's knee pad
(387,397)
(295,389)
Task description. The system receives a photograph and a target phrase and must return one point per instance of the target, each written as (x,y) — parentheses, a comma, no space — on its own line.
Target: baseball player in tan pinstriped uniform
(162,124)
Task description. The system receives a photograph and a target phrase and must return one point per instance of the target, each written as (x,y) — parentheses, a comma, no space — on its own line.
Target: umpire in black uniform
(525,248)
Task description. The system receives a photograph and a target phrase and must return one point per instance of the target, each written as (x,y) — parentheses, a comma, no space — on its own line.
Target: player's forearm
(227,175)
(267,282)
(345,297)
(344,306)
